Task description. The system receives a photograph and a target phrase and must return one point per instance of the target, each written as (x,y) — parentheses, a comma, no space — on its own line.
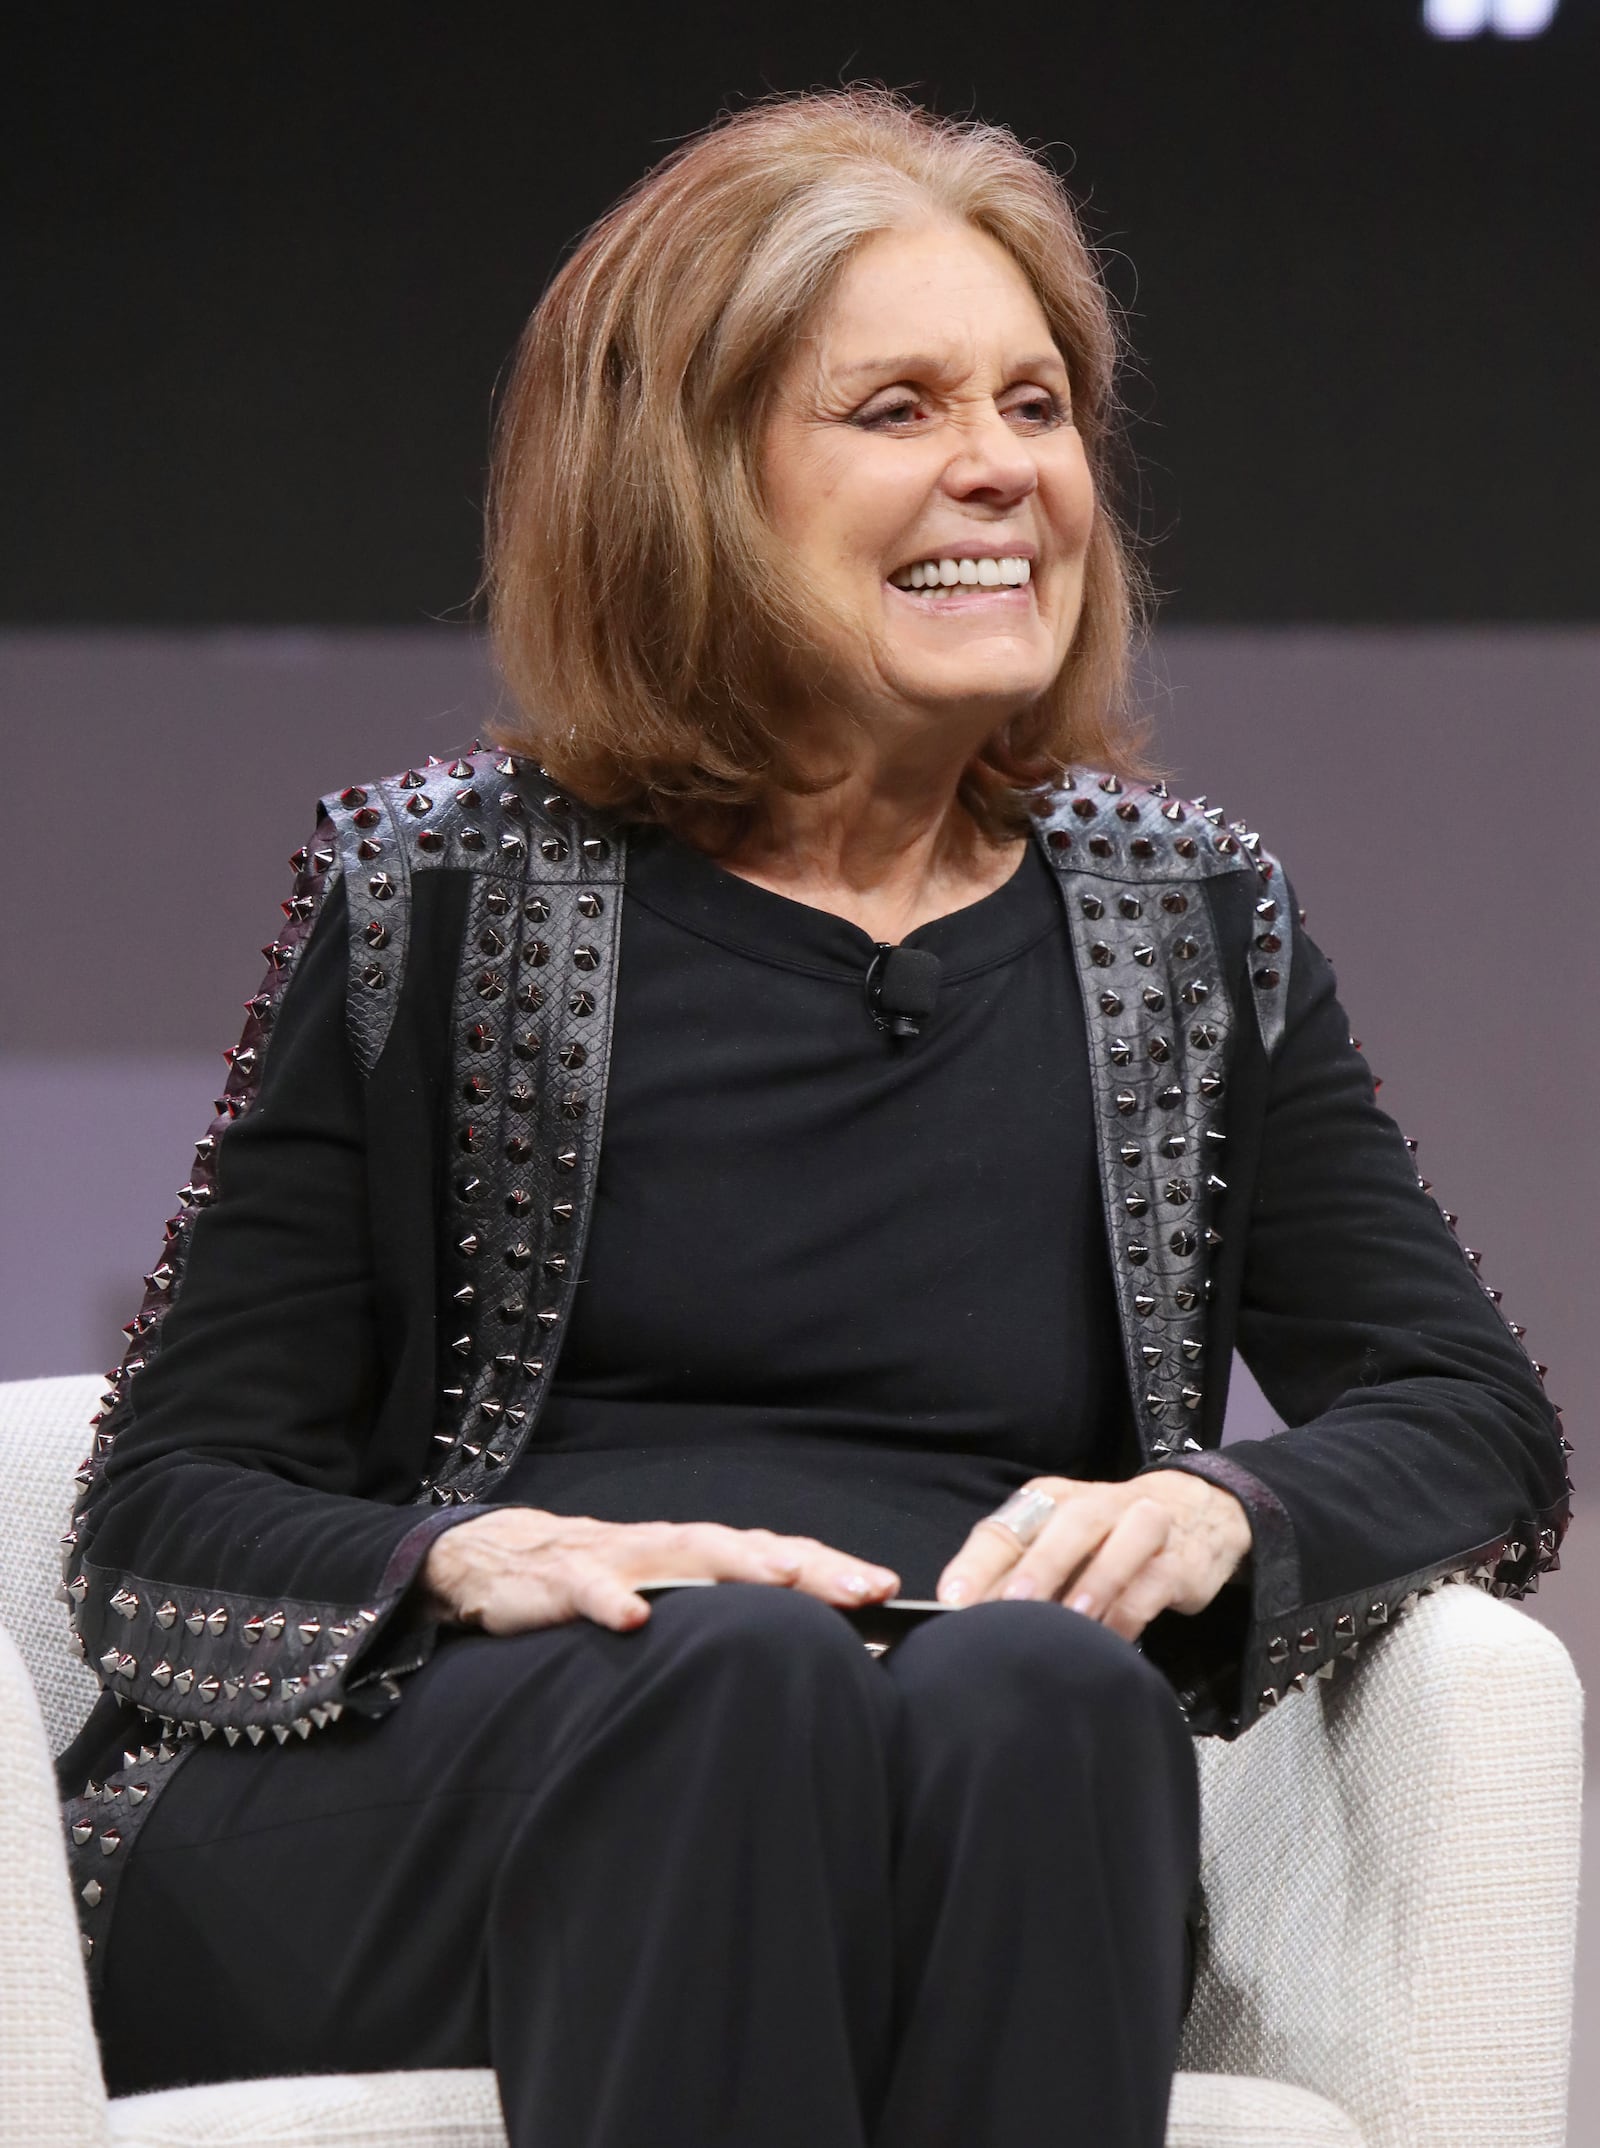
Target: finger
(1153,1589)
(1063,1547)
(992,1550)
(709,1549)
(1140,1535)
(596,1591)
(520,1600)
(838,1577)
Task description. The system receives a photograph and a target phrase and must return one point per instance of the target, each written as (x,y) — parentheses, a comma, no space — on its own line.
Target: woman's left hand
(1118,1553)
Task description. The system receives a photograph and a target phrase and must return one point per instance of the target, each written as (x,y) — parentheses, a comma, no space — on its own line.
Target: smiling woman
(741,325)
(885,1222)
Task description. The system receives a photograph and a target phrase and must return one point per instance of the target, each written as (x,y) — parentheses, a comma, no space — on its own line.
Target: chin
(1003,667)
(1007,687)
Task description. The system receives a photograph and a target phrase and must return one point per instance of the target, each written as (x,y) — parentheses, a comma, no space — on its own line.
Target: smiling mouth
(939,580)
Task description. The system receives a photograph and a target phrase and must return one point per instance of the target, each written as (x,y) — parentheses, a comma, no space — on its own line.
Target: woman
(960,1114)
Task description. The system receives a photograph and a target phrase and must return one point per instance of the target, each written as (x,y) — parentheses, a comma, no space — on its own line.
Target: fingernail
(952,1592)
(1022,1586)
(1083,1602)
(856,1584)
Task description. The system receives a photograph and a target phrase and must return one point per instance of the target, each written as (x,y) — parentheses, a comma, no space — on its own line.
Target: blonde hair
(653,635)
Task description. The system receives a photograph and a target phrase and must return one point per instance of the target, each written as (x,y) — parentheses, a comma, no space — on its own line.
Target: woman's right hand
(515,1568)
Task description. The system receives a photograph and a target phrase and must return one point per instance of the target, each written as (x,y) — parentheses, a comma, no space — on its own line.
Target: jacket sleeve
(228,1567)
(1420,1448)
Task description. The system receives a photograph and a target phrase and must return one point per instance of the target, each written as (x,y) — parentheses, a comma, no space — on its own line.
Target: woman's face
(923,435)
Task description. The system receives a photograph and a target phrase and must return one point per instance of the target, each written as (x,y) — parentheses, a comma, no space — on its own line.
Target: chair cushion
(1224,2110)
(461,2110)
(44,1435)
(440,2109)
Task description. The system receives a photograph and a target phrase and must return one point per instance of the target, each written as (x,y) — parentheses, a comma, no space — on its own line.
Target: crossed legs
(724,1882)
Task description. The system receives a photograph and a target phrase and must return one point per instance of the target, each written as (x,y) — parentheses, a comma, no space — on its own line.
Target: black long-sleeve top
(818,1293)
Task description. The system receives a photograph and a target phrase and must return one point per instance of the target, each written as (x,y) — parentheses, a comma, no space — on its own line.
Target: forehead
(946,289)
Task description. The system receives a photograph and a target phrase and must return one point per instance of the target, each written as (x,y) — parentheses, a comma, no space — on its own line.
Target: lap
(495,1714)
(364,1864)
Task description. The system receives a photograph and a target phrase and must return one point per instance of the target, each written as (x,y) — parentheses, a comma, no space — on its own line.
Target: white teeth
(1010,573)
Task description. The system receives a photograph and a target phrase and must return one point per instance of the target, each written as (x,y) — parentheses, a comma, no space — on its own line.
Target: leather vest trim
(1133,862)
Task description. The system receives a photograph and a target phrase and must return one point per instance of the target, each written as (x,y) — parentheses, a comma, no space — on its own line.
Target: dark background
(267,265)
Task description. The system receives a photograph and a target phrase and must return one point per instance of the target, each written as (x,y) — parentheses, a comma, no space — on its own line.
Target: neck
(889,846)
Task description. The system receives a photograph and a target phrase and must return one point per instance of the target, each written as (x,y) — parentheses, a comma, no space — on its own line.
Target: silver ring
(1025,1514)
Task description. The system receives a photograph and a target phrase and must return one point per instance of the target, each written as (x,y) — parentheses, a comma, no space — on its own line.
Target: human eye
(894,412)
(1039,409)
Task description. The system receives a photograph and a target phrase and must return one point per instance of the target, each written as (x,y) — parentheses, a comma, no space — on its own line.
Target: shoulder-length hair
(653,634)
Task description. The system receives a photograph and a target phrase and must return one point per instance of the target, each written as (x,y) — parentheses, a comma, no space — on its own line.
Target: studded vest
(1184,994)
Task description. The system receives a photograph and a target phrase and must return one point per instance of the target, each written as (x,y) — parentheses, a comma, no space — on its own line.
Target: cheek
(1069,501)
(819,513)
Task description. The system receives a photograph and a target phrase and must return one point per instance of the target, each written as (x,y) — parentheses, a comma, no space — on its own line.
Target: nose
(994,466)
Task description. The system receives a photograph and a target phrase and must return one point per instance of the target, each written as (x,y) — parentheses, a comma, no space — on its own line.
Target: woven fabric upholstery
(51,2094)
(1392,1870)
(1218,2110)
(461,2110)
(340,2110)
(1391,1867)
(44,1435)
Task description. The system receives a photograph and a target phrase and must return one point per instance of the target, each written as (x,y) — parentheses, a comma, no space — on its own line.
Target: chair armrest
(1391,1871)
(51,2091)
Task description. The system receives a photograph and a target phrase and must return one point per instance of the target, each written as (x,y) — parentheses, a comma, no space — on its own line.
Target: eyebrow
(919,362)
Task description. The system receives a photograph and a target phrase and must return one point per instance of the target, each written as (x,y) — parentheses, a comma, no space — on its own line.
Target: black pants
(724,1882)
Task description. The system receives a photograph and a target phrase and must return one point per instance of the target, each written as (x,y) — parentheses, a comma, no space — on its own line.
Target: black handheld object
(902,987)
(879,1625)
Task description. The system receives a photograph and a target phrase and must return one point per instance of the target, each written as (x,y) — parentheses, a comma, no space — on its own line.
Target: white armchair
(1391,1867)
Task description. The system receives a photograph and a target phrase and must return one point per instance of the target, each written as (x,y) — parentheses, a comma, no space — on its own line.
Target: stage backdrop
(267,263)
